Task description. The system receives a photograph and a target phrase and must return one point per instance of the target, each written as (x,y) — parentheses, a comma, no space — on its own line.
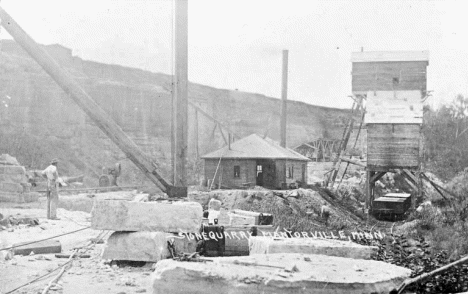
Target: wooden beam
(352,161)
(205,114)
(180,102)
(410,175)
(284,97)
(197,147)
(369,189)
(377,176)
(438,187)
(410,182)
(224,137)
(213,131)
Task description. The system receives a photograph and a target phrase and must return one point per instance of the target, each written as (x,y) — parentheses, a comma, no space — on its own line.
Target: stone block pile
(14,186)
(281,265)
(143,229)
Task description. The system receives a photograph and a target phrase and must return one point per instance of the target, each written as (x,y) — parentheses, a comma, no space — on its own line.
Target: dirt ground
(86,275)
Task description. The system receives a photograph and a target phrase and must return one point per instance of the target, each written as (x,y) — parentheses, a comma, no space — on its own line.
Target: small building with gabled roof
(254,160)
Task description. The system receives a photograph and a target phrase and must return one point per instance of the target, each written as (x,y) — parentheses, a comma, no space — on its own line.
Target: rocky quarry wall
(39,121)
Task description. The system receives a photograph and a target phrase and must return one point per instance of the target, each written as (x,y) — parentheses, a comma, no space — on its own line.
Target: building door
(266,173)
(259,174)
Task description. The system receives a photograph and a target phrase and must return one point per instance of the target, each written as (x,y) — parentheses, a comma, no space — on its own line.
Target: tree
(446,137)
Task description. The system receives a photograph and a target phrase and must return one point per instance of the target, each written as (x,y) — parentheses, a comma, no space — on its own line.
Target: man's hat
(55,160)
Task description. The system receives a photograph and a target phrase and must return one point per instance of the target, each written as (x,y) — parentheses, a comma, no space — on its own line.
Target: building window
(236,171)
(259,169)
(291,172)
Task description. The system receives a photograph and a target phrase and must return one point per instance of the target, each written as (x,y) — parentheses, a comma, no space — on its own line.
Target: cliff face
(39,121)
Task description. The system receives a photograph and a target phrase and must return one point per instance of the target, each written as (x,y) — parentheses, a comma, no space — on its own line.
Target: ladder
(357,107)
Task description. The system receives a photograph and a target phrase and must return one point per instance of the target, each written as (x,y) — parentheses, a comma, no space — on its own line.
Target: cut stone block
(13,178)
(277,273)
(43,247)
(145,246)
(237,238)
(12,187)
(214,204)
(241,220)
(13,170)
(118,215)
(237,215)
(269,245)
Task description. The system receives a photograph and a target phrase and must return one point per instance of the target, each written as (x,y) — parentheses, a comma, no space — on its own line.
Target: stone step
(120,215)
(145,246)
(277,273)
(270,245)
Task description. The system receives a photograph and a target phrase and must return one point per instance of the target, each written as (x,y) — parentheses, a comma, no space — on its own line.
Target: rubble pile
(419,256)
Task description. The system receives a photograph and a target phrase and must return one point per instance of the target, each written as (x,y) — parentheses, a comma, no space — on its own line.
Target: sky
(238,44)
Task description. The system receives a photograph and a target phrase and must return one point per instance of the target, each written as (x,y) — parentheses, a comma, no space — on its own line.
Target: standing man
(52,193)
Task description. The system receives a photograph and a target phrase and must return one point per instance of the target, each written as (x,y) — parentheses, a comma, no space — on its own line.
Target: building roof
(381,56)
(253,147)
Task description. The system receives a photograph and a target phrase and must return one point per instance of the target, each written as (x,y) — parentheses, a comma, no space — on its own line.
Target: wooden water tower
(393,85)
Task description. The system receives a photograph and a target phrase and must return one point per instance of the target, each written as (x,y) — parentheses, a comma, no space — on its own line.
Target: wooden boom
(89,106)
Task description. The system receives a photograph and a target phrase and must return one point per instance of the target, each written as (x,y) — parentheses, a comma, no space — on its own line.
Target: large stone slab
(270,245)
(19,197)
(145,246)
(43,247)
(277,273)
(120,215)
(237,238)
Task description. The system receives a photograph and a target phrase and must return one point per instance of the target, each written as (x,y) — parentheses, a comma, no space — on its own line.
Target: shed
(254,160)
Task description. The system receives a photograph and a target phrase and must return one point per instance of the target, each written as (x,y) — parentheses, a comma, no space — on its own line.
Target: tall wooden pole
(284,98)
(197,151)
(180,101)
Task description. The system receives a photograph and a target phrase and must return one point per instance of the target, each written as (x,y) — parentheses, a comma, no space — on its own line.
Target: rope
(37,241)
(57,268)
(64,268)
